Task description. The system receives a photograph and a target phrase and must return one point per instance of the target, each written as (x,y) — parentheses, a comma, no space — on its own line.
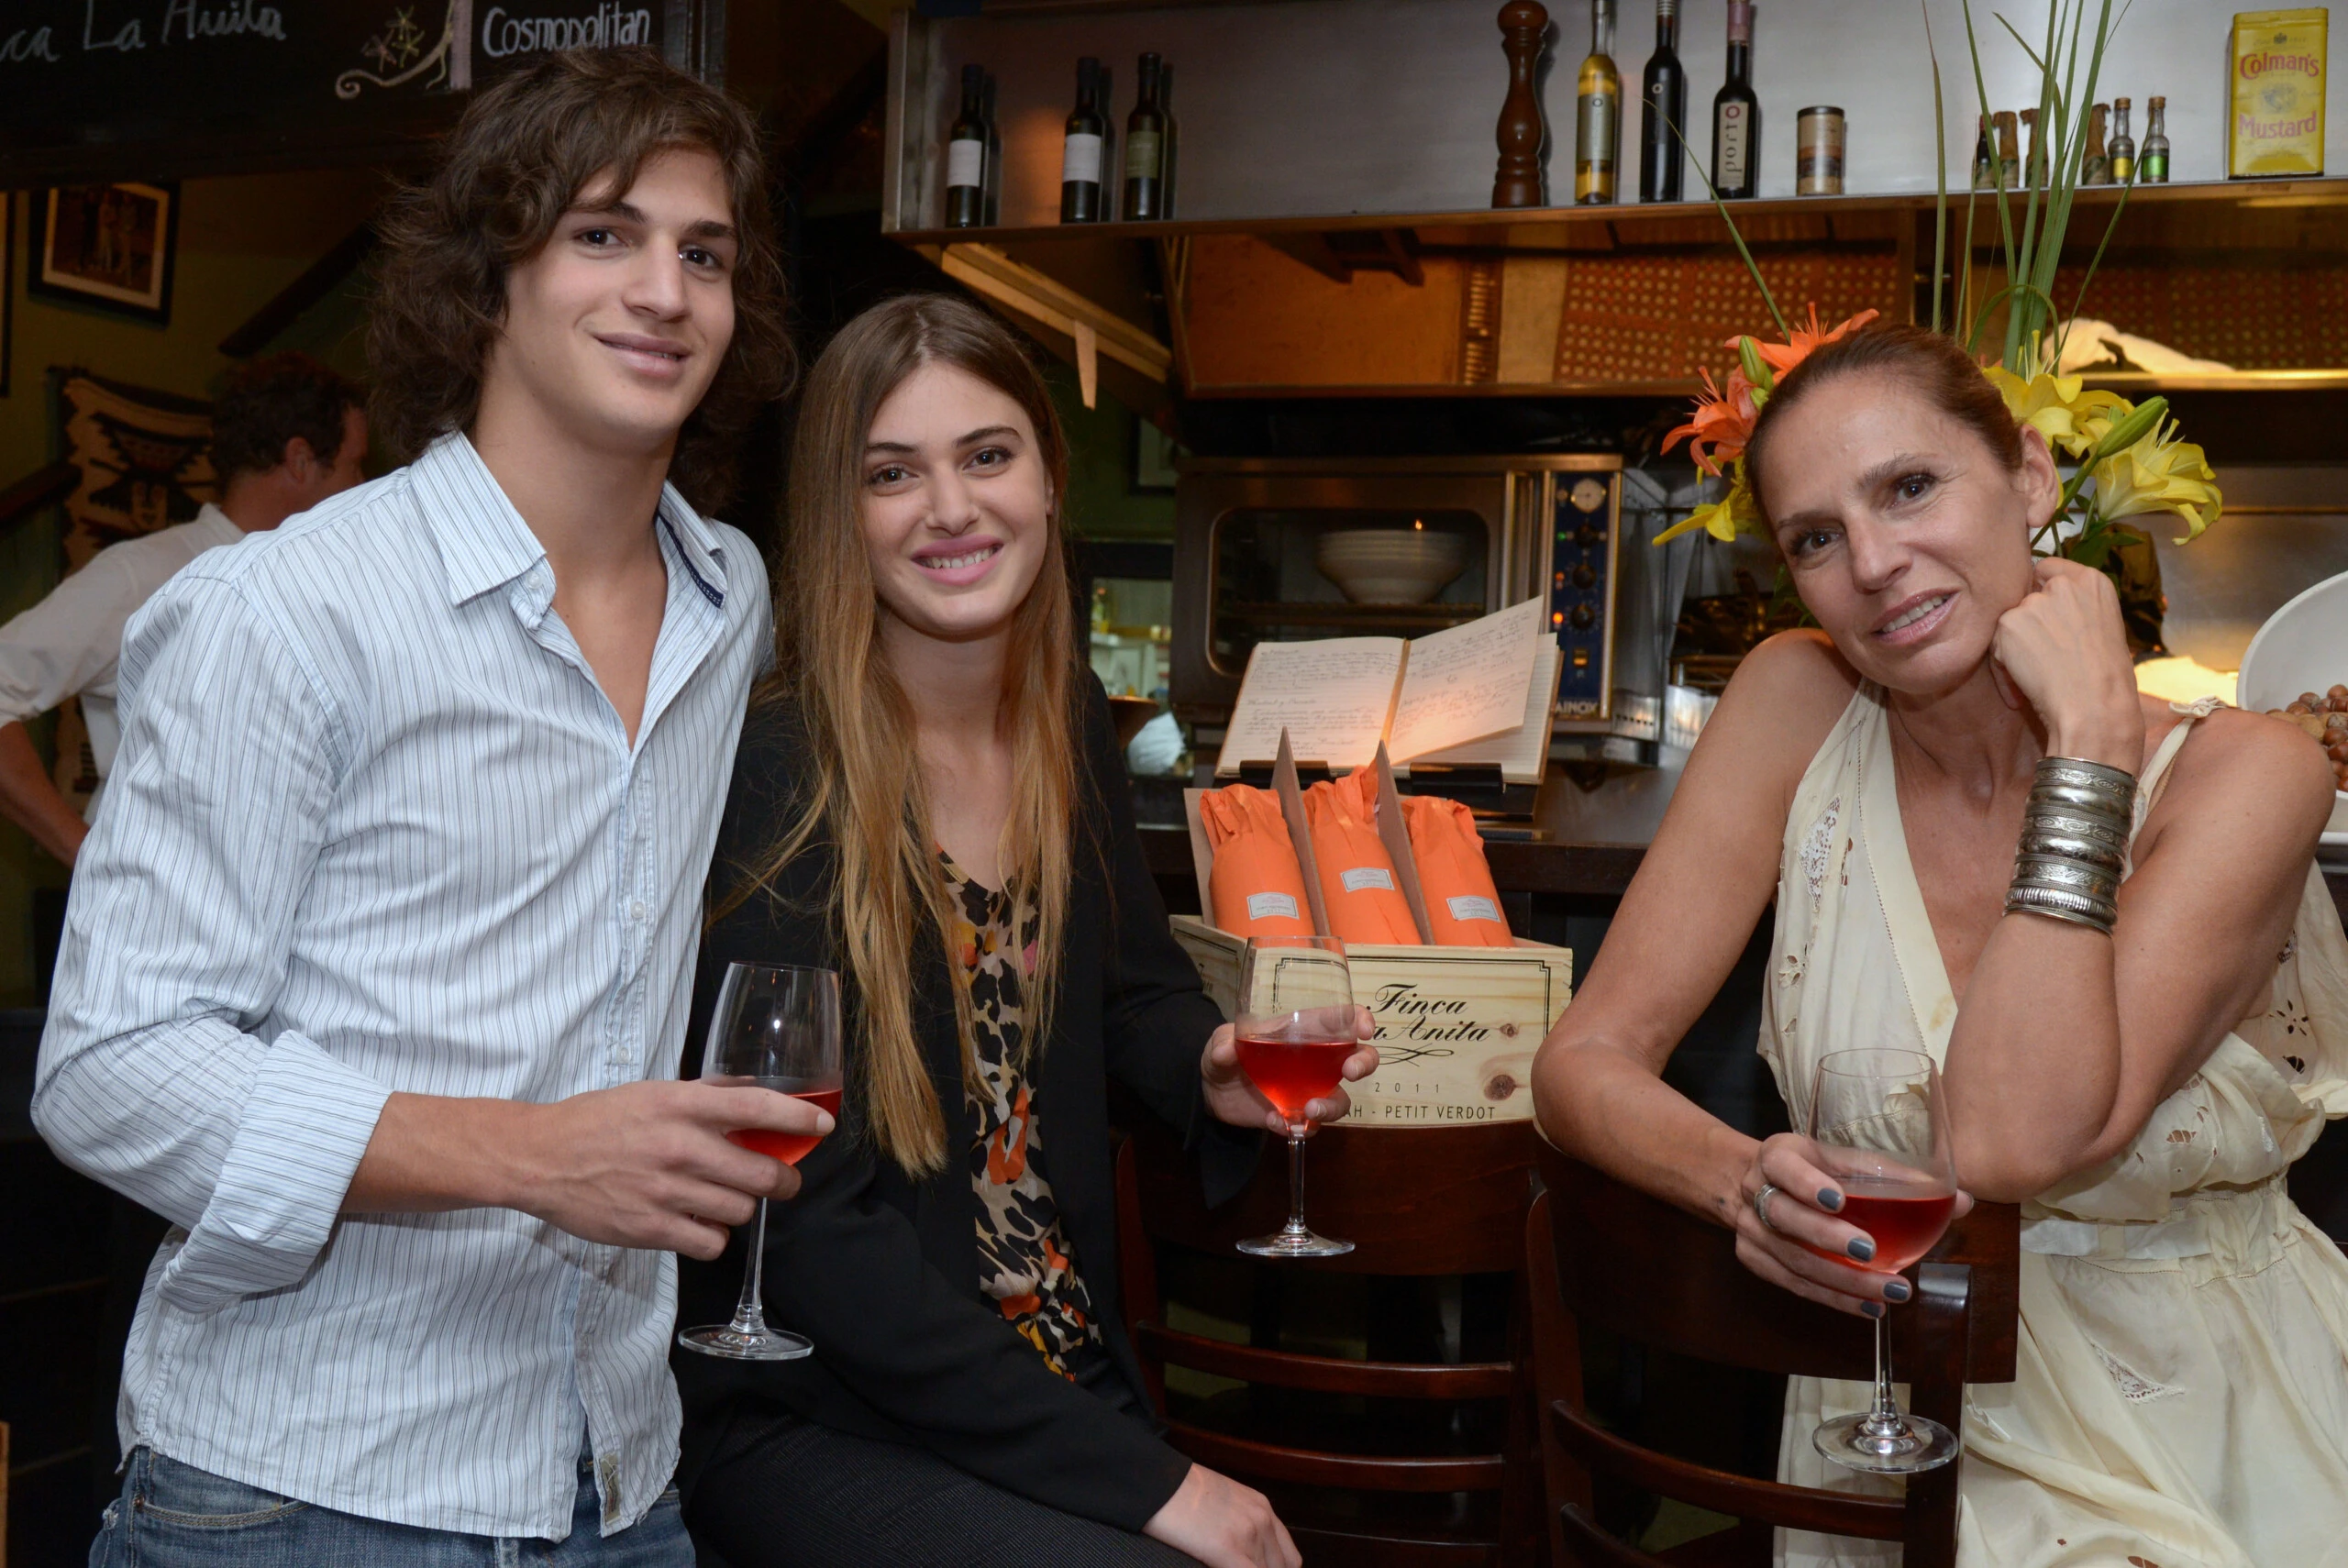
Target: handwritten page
(1466,683)
(1521,754)
(1332,697)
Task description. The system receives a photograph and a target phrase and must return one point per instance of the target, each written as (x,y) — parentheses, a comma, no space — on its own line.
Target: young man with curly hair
(378,962)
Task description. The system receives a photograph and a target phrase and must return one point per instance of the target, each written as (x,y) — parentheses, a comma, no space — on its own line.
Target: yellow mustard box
(2276,93)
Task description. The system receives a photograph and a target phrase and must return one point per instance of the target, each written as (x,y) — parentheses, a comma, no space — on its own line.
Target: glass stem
(1885,1420)
(749,1313)
(1296,1225)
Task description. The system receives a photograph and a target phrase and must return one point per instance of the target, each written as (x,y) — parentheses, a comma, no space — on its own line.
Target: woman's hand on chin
(2064,651)
(1802,1209)
(1223,1524)
(1235,1100)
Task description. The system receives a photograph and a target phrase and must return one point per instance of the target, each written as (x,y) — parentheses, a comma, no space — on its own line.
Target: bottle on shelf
(2009,151)
(2095,163)
(1662,126)
(1598,118)
(2033,172)
(966,155)
(1985,160)
(2123,146)
(2154,168)
(1149,135)
(1736,114)
(1081,152)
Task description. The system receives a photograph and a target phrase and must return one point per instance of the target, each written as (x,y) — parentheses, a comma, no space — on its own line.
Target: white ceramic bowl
(2302,647)
(1390,565)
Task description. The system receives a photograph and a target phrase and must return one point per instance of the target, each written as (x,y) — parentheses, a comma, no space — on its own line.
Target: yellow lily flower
(2071,420)
(1724,519)
(2160,473)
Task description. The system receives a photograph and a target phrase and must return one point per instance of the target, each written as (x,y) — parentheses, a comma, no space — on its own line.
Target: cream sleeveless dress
(2181,1390)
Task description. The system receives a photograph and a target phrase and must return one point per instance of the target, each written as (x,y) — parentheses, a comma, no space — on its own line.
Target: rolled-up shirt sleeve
(159,1072)
(67,641)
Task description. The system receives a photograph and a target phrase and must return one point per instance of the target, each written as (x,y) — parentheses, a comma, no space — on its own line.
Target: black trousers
(790,1493)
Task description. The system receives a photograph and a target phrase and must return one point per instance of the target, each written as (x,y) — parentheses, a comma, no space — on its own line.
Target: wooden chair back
(1603,1253)
(1414,1202)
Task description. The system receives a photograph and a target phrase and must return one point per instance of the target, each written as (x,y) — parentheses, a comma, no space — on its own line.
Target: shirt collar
(484,544)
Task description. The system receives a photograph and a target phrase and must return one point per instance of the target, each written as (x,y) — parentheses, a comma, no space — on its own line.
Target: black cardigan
(881,1271)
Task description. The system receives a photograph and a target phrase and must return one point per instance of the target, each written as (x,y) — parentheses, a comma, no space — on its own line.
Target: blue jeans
(174,1516)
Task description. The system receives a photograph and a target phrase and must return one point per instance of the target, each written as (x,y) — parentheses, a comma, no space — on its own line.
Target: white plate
(2302,647)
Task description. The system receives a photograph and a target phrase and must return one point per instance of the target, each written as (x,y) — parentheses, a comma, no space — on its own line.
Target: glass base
(736,1343)
(1295,1242)
(1913,1443)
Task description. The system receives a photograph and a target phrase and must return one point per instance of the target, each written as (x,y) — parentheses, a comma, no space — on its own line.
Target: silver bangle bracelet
(2056,874)
(2060,906)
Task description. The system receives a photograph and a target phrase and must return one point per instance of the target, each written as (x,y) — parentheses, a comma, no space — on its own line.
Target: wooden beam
(317,280)
(986,270)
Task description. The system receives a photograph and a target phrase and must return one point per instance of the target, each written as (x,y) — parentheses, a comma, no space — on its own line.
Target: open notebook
(1482,693)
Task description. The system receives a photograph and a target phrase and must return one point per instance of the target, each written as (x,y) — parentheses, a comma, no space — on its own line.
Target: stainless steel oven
(1250,547)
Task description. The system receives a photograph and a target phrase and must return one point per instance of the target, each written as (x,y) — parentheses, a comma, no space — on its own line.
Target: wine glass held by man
(2099,913)
(928,799)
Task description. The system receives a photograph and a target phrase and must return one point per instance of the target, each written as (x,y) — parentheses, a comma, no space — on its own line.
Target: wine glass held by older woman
(927,798)
(2137,1061)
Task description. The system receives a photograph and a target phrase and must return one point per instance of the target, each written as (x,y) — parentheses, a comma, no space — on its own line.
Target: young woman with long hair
(2138,1073)
(928,799)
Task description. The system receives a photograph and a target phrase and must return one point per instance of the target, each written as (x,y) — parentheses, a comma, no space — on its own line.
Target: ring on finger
(1761,1204)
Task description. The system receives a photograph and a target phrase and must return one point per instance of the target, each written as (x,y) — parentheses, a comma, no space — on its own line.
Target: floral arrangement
(2125,458)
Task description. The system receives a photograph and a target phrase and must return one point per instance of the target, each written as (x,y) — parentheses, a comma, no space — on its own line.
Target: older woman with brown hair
(2138,1073)
(927,798)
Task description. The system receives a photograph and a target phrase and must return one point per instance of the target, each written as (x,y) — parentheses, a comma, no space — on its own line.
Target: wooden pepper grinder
(1518,183)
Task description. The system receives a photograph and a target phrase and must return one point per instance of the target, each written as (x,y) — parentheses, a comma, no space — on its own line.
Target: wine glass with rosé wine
(1881,1131)
(776,1027)
(1295,1025)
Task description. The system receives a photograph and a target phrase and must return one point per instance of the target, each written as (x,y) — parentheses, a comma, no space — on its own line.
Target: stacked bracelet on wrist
(2074,842)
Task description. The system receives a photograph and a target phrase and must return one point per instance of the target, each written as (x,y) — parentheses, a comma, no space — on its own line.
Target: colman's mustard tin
(2276,93)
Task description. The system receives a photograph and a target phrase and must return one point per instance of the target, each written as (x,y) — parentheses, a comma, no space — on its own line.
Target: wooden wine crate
(1456,1026)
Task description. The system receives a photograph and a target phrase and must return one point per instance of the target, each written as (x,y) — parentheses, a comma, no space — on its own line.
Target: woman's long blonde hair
(864,790)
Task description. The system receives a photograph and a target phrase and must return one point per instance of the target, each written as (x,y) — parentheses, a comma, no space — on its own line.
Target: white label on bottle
(1732,137)
(1080,160)
(1362,877)
(1268,906)
(1141,155)
(965,162)
(1469,907)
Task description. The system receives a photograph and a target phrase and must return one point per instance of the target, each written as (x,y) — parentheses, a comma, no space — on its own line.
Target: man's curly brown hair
(524,151)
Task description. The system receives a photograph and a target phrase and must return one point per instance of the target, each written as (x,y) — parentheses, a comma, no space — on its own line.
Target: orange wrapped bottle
(1358,887)
(1256,886)
(1463,907)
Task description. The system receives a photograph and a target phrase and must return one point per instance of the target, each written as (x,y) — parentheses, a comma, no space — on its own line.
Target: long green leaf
(1940,169)
(2109,229)
(1750,265)
(2104,29)
(1997,163)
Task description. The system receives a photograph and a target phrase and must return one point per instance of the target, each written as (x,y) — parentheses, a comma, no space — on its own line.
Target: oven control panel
(1583,531)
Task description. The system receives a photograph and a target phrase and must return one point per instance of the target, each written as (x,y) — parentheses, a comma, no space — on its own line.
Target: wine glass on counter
(1295,1025)
(777,1026)
(1880,1130)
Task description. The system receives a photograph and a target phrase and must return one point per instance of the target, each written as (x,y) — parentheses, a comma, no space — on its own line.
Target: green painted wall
(241,241)
(1102,503)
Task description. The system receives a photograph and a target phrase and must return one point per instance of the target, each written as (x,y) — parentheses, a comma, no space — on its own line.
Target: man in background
(286,434)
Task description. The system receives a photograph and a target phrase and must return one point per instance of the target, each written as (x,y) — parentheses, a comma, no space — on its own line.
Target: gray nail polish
(1861,1248)
(1897,1290)
(1872,1308)
(1830,1200)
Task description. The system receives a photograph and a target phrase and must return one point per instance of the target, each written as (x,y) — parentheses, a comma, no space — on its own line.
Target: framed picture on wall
(1153,452)
(109,245)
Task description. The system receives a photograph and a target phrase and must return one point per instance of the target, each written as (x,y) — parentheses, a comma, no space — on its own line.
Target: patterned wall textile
(1641,317)
(146,463)
(2254,318)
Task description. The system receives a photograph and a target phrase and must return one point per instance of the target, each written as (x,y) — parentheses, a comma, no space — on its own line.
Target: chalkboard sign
(149,88)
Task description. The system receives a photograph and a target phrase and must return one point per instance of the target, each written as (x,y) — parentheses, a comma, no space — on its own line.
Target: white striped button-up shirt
(375,827)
